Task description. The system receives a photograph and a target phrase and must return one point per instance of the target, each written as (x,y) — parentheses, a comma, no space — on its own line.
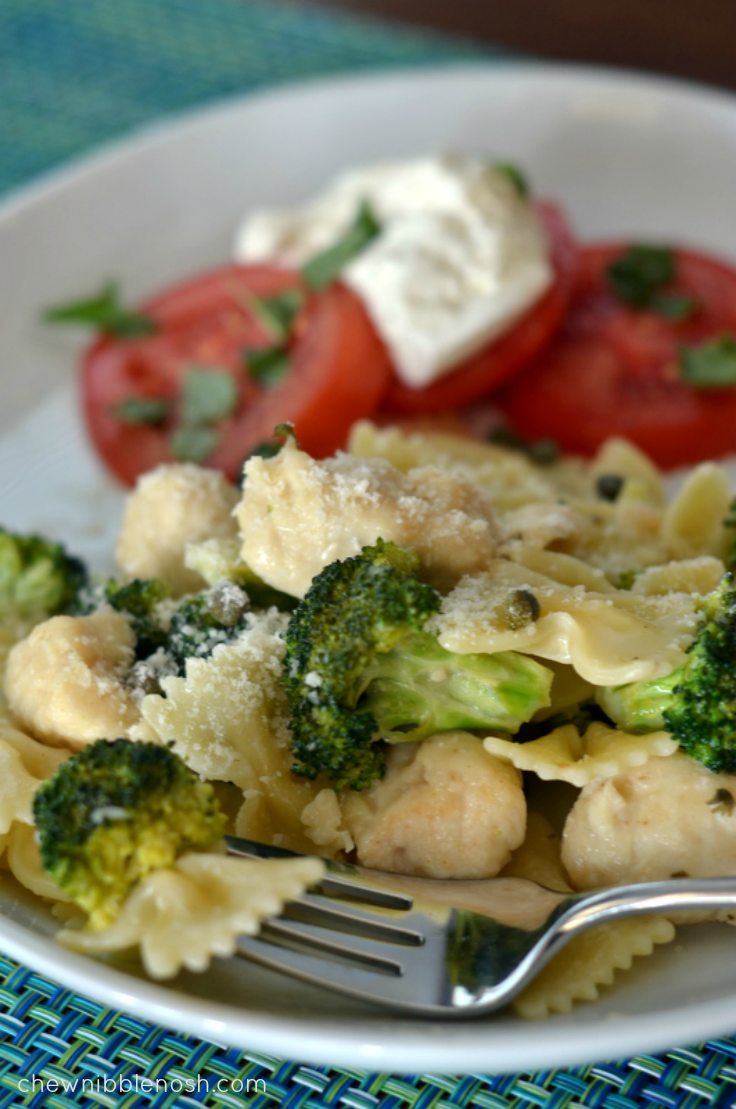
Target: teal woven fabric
(74,73)
(60,1051)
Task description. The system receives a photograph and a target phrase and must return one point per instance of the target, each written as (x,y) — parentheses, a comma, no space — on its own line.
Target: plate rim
(172,124)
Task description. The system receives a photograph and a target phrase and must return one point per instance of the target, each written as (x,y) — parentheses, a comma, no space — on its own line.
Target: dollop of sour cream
(460,257)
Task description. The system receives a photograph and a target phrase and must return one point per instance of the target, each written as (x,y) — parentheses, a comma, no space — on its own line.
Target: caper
(609,486)
(522,609)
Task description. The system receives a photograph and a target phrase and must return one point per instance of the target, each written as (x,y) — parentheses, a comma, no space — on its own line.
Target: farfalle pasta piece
(693,522)
(566,756)
(538,858)
(689,575)
(24,763)
(622,459)
(610,638)
(565,569)
(508,478)
(590,960)
(23,859)
(186,915)
(227,720)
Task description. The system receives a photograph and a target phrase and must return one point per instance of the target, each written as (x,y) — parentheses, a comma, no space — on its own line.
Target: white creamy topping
(460,257)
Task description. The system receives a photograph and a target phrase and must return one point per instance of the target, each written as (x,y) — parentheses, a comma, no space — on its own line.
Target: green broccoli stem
(418,689)
(641,706)
(696,703)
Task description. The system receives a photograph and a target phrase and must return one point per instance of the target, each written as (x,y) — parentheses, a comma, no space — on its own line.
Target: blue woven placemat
(74,73)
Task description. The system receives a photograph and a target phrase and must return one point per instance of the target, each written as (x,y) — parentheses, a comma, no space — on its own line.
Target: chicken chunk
(170,507)
(670,817)
(64,682)
(298,515)
(445,809)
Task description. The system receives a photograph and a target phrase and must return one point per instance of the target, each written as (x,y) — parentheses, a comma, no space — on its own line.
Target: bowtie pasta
(583,578)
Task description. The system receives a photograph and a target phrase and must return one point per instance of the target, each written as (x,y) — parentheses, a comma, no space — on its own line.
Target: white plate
(628,156)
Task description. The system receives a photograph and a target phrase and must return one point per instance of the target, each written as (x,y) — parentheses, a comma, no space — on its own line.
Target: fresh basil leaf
(104,312)
(711,365)
(641,272)
(208,396)
(278,313)
(269,449)
(676,306)
(324,268)
(268,366)
(515,175)
(193,444)
(142,410)
(285,431)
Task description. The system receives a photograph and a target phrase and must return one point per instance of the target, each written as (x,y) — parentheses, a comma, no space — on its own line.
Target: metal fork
(449,948)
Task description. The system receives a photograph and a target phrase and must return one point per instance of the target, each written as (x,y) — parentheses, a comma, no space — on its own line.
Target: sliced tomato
(339,370)
(501,359)
(614,370)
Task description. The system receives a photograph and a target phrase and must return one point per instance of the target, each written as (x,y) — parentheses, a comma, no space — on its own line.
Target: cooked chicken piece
(670,817)
(64,682)
(298,515)
(170,507)
(445,809)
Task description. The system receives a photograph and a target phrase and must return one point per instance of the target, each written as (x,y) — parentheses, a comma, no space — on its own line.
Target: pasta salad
(546,692)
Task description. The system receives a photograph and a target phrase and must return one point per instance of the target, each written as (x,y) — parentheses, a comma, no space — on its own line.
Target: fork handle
(674,895)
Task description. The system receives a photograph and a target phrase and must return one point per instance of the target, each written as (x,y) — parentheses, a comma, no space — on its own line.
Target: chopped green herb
(730,525)
(324,268)
(627,578)
(515,175)
(641,272)
(711,365)
(722,801)
(208,396)
(104,312)
(278,313)
(193,444)
(543,452)
(675,306)
(142,410)
(285,431)
(269,449)
(269,366)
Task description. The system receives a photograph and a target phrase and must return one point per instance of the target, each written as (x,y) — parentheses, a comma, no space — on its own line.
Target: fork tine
(299,941)
(343,880)
(314,910)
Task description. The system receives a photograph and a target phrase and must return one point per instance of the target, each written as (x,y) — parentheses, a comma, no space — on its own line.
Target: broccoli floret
(696,703)
(37,578)
(139,599)
(359,668)
(116,811)
(200,623)
(167,630)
